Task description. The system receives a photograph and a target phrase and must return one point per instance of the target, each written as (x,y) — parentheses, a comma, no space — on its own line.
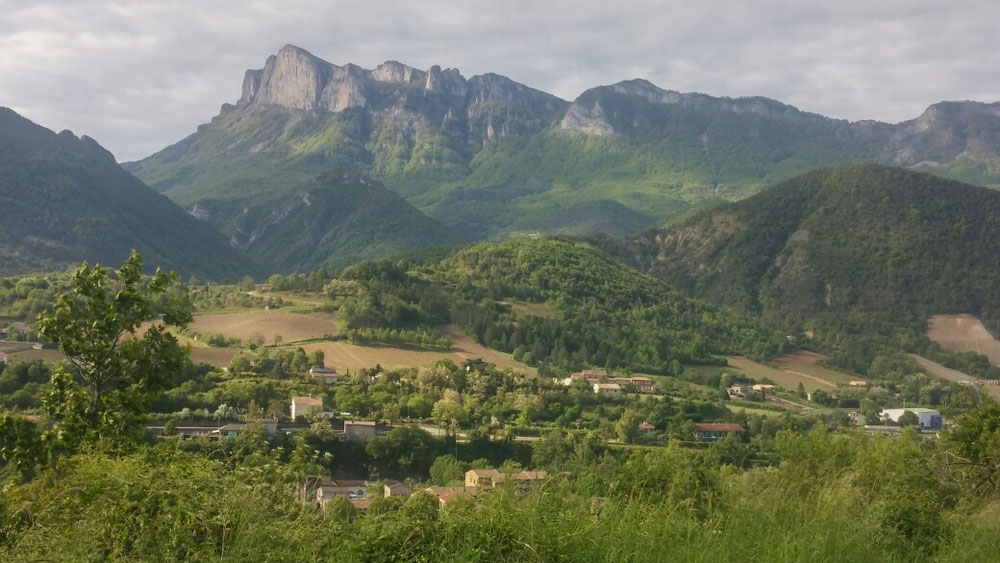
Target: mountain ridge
(66,200)
(499,159)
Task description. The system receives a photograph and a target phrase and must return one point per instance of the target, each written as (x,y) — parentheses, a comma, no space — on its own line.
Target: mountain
(65,200)
(333,220)
(494,158)
(862,239)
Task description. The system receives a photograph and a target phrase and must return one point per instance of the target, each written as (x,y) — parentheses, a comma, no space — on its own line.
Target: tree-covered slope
(861,239)
(333,220)
(604,313)
(65,200)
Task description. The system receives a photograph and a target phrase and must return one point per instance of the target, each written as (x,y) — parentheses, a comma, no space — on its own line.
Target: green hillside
(333,220)
(496,159)
(65,200)
(838,242)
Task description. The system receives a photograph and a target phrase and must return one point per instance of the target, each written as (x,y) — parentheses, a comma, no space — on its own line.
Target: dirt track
(963,333)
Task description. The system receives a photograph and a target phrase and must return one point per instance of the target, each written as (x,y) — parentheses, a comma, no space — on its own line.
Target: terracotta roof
(718,427)
(530,475)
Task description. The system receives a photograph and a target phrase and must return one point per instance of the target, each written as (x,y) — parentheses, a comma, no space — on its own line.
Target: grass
(793,369)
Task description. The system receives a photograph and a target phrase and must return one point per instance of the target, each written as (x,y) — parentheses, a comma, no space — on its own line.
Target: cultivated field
(799,367)
(806,364)
(344,355)
(963,333)
(30,355)
(956,376)
(265,324)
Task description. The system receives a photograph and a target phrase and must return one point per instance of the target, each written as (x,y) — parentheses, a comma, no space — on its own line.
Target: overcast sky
(138,76)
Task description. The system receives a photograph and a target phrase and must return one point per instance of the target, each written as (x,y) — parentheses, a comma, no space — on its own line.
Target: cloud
(139,75)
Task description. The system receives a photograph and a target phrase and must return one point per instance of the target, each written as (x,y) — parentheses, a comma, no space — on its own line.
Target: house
(642,384)
(18,326)
(363,430)
(324,375)
(447,494)
(607,388)
(857,418)
(646,427)
(483,479)
(858,383)
(229,430)
(301,405)
(396,489)
(233,430)
(737,391)
(3,358)
(928,419)
(712,431)
(763,387)
(351,489)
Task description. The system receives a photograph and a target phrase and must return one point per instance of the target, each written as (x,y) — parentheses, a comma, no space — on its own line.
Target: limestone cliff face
(948,131)
(412,104)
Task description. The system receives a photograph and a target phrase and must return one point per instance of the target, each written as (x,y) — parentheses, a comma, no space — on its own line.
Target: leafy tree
(446,469)
(628,426)
(114,370)
(908,418)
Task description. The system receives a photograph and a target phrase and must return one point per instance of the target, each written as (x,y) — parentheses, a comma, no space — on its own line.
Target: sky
(139,76)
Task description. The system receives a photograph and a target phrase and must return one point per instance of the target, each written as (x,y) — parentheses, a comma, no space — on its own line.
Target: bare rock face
(410,103)
(946,132)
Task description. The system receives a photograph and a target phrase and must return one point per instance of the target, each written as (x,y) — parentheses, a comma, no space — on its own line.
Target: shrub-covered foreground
(833,497)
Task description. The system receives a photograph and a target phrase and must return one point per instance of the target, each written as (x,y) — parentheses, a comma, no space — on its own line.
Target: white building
(608,388)
(301,405)
(928,419)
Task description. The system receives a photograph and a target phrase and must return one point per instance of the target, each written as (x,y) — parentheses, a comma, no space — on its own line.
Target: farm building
(928,419)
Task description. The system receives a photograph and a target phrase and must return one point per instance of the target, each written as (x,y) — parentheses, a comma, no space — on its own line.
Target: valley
(375,312)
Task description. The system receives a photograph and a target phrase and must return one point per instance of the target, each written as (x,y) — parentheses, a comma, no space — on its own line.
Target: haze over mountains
(492,158)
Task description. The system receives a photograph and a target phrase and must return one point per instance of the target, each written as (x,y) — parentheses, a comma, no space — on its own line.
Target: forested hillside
(65,200)
(552,304)
(332,220)
(885,242)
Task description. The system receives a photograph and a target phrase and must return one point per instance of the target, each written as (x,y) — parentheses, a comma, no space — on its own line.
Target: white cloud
(141,75)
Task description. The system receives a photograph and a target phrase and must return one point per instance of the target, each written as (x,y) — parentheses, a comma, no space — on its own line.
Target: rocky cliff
(492,157)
